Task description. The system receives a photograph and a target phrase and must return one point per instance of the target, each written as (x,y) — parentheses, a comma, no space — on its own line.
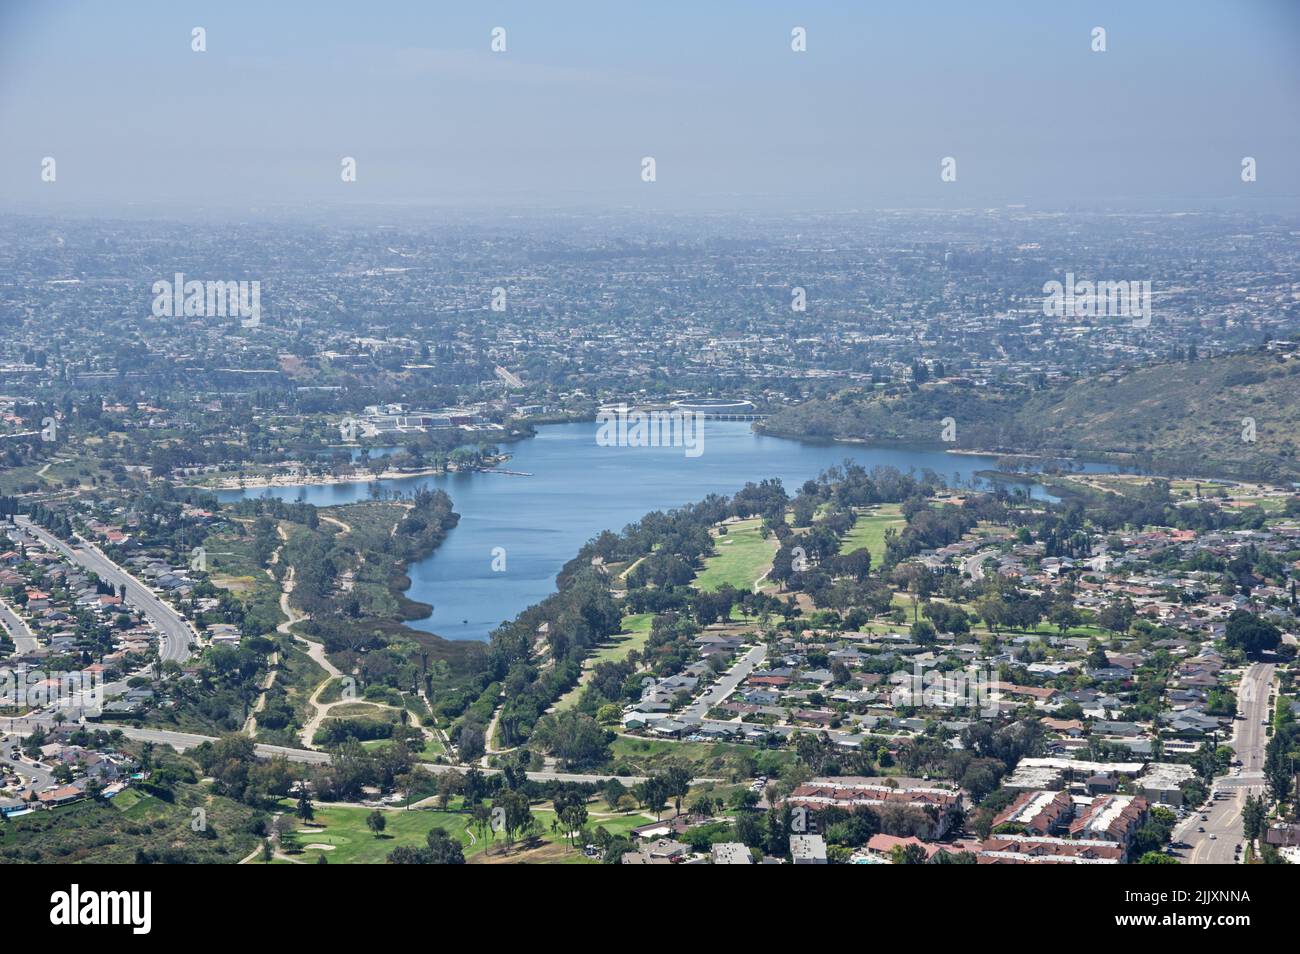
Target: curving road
(176,632)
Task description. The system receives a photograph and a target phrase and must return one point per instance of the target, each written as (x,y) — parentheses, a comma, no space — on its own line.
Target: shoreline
(325,480)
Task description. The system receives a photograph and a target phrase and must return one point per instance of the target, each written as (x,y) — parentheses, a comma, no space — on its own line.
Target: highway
(1223,831)
(176,632)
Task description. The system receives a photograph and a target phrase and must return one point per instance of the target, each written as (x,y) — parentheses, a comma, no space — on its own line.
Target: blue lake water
(577,489)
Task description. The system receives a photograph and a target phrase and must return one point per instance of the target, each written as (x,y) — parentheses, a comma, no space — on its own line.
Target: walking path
(250,724)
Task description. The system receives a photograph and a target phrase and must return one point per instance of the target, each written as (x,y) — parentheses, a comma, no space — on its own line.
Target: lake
(577,489)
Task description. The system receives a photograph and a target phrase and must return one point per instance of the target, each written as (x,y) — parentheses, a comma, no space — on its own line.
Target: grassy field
(432,748)
(721,760)
(298,677)
(869,531)
(76,471)
(344,830)
(233,565)
(636,630)
(742,557)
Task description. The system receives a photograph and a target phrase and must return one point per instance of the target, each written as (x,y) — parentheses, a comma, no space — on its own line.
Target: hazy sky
(733,117)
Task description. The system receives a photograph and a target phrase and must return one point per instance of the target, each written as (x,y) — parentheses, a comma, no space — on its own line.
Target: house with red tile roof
(882,846)
(1029,849)
(1114,818)
(942,805)
(1037,812)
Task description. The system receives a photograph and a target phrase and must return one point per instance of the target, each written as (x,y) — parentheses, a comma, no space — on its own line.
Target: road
(1249,737)
(176,632)
(188,740)
(718,692)
(18,630)
(973,565)
(1224,814)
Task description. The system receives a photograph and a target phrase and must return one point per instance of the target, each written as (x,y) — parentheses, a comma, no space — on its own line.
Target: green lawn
(344,829)
(742,558)
(637,756)
(432,747)
(869,531)
(636,631)
(352,843)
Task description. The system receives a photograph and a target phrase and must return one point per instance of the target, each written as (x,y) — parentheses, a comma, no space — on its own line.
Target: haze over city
(563,117)
(660,434)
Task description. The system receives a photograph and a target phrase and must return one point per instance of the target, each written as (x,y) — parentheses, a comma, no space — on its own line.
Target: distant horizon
(379,213)
(1020,99)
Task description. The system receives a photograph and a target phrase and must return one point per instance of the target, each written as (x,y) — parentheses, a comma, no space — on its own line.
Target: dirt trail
(314,650)
(250,724)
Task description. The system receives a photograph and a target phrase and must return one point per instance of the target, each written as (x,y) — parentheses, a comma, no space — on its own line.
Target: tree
(912,854)
(923,632)
(652,794)
(677,782)
(1063,616)
(954,858)
(511,809)
(571,811)
(993,610)
(1157,858)
(856,564)
(1252,817)
(616,849)
(1278,769)
(443,849)
(305,810)
(470,741)
(482,821)
(574,737)
(475,787)
(402,855)
(449,784)
(1250,634)
(748,830)
(614,790)
(376,822)
(1117,616)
